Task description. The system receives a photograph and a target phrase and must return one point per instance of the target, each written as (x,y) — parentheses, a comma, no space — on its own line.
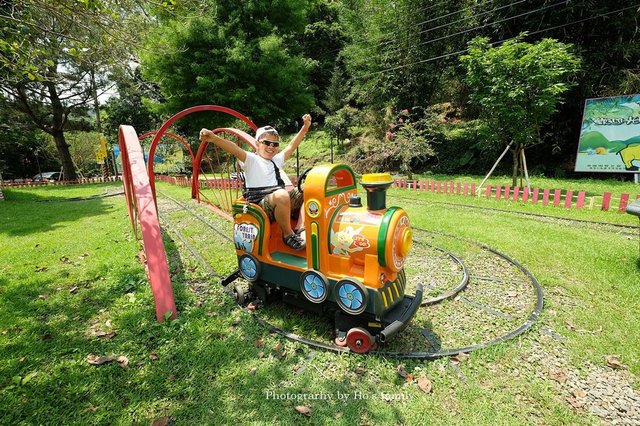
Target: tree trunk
(68,169)
(516,161)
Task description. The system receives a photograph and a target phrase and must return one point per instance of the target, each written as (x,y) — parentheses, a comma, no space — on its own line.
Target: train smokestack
(376,185)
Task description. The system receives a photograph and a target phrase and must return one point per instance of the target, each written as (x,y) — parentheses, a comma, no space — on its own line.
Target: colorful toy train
(353,266)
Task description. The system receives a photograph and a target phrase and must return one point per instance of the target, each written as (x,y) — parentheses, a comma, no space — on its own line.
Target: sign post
(610,136)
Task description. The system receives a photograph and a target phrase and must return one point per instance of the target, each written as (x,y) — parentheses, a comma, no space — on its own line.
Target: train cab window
(339,181)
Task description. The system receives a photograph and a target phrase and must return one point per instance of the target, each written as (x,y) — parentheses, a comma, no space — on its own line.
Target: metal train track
(452,294)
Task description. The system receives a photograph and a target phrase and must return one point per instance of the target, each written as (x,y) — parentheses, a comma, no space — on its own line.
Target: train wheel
(239,295)
(341,339)
(359,340)
(351,296)
(315,286)
(249,267)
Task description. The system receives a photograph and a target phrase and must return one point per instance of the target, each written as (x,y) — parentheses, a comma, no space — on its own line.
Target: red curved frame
(171,135)
(246,138)
(142,208)
(183,113)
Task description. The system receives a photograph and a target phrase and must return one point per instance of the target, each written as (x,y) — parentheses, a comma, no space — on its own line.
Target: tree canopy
(518,86)
(245,56)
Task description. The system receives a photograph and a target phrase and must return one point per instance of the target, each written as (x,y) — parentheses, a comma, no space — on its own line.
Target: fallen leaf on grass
(253,371)
(171,378)
(43,296)
(41,268)
(99,360)
(574,402)
(212,314)
(559,376)
(104,334)
(277,347)
(409,378)
(303,409)
(360,370)
(402,371)
(570,326)
(461,357)
(613,361)
(64,259)
(153,356)
(251,307)
(425,384)
(72,290)
(259,343)
(579,393)
(161,421)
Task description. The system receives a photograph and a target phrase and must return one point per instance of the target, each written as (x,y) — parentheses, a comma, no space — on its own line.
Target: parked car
(48,177)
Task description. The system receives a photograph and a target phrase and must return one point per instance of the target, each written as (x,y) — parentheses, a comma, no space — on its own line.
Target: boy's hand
(206,135)
(306,121)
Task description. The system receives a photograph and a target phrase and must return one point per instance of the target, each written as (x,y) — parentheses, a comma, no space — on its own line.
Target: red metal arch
(243,136)
(174,136)
(142,207)
(183,113)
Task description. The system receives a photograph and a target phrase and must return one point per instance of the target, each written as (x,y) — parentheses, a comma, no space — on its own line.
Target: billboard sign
(610,135)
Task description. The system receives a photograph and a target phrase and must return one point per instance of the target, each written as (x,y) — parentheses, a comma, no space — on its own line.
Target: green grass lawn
(72,285)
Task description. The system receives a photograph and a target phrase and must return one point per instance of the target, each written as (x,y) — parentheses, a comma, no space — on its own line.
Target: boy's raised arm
(289,150)
(228,146)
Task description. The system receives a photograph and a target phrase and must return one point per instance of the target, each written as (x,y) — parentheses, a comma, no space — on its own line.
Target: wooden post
(494,166)
(580,202)
(568,198)
(606,201)
(624,200)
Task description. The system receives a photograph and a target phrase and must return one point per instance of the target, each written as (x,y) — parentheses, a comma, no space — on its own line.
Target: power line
(495,42)
(396,33)
(478,27)
(448,24)
(492,23)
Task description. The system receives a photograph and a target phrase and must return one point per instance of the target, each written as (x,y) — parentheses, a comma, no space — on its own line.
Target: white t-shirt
(259,172)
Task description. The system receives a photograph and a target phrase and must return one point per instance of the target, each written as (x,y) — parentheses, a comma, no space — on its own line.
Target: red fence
(544,196)
(62,182)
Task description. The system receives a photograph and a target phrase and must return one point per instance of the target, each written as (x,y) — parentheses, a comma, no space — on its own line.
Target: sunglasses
(270,143)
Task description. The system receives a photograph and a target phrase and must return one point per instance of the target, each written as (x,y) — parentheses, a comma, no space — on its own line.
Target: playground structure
(352,269)
(356,276)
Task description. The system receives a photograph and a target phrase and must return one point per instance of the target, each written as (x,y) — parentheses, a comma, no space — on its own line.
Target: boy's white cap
(266,129)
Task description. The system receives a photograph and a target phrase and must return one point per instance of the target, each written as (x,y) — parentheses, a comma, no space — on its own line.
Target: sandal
(294,241)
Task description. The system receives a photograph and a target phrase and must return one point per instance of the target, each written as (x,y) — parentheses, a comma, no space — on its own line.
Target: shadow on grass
(29,212)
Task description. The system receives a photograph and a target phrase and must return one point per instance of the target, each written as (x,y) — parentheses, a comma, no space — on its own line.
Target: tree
(397,51)
(54,55)
(243,55)
(518,86)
